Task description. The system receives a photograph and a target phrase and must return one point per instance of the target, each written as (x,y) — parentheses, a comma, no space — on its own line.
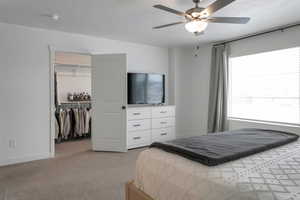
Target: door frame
(52,49)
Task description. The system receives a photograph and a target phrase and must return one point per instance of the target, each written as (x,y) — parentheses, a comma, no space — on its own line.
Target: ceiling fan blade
(167,25)
(229,20)
(217,5)
(176,12)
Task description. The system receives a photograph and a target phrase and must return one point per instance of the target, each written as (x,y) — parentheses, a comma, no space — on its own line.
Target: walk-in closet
(73,107)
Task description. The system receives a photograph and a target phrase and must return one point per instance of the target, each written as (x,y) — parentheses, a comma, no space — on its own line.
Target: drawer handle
(136,113)
(162,134)
(136,125)
(163,122)
(163,112)
(137,138)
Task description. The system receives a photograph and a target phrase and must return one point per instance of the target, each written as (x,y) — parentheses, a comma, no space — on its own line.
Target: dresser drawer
(163,111)
(137,125)
(138,139)
(164,134)
(138,113)
(163,122)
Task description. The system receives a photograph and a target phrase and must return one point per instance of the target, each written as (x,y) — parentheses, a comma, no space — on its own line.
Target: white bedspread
(271,175)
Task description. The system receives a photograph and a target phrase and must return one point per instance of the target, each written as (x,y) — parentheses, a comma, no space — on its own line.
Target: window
(265,86)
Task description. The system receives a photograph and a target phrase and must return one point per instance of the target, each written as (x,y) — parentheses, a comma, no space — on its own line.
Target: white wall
(268,42)
(192,88)
(24,82)
(72,80)
(193,74)
(172,74)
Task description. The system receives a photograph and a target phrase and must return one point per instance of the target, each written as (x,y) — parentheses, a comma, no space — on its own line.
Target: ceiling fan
(197,18)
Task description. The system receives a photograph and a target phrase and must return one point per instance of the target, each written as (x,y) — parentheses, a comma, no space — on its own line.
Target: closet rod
(258,34)
(75,105)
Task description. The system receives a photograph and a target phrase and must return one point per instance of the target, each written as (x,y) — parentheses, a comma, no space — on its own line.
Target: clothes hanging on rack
(77,122)
(87,121)
(62,115)
(64,120)
(66,128)
(56,128)
(81,121)
(74,121)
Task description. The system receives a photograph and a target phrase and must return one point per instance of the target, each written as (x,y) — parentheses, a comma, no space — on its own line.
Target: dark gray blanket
(218,148)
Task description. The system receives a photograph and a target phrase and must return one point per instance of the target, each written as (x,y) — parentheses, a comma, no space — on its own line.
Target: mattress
(270,175)
(218,148)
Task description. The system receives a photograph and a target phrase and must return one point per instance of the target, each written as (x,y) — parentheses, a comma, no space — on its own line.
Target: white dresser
(150,124)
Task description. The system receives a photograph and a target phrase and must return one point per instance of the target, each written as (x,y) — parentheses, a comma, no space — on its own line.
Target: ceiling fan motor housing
(195,13)
(196,1)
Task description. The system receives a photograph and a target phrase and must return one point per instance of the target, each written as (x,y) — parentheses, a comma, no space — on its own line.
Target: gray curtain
(217,110)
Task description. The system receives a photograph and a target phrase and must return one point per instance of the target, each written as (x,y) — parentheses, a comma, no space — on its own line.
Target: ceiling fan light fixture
(196,14)
(196,26)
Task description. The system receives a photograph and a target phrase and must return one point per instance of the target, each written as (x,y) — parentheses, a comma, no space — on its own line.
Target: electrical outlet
(12,144)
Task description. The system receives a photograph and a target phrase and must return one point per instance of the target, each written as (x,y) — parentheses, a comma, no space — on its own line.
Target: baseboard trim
(24,159)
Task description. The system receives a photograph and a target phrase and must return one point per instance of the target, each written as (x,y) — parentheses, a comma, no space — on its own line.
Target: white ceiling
(132,20)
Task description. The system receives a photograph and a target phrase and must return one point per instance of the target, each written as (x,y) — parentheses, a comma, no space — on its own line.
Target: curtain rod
(258,34)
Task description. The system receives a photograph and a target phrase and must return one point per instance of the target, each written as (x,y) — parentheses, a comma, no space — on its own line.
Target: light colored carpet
(76,173)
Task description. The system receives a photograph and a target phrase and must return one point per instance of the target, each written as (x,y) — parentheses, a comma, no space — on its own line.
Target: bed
(271,174)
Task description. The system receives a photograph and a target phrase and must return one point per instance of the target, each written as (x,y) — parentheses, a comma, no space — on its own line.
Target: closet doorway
(72,89)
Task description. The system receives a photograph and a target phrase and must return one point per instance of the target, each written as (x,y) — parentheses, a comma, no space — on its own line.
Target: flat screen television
(146,88)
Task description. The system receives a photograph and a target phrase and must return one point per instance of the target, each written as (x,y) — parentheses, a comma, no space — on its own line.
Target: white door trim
(51,100)
(52,51)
